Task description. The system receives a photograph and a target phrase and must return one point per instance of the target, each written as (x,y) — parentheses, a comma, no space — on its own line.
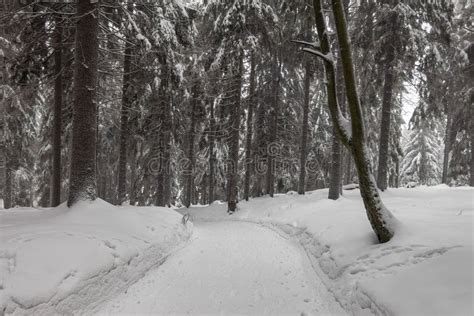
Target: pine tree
(422,163)
(82,185)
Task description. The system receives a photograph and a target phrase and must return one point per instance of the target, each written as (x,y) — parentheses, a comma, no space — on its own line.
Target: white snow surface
(291,254)
(426,269)
(56,261)
(230,268)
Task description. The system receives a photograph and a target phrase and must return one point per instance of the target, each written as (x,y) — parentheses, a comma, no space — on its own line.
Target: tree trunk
(133,175)
(304,130)
(212,154)
(335,172)
(248,146)
(259,148)
(163,177)
(191,133)
(447,146)
(272,146)
(58,101)
(379,217)
(126,104)
(7,198)
(82,183)
(387,101)
(471,130)
(233,165)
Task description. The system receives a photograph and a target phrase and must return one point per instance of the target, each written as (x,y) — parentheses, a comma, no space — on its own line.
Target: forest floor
(291,254)
(227,268)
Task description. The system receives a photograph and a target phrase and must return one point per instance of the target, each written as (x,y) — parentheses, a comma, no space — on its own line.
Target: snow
(230,268)
(57,260)
(290,254)
(426,269)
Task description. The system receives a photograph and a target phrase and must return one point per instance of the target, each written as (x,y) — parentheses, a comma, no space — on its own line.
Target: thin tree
(387,100)
(127,94)
(82,182)
(351,133)
(233,163)
(58,103)
(248,144)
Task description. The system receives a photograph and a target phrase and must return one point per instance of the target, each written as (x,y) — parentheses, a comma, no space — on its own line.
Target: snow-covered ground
(230,268)
(55,261)
(426,269)
(290,254)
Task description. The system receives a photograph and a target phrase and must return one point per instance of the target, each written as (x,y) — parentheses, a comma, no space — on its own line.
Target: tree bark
(447,146)
(335,172)
(126,104)
(191,134)
(379,217)
(57,124)
(233,163)
(304,130)
(8,198)
(163,178)
(248,145)
(387,100)
(272,146)
(471,130)
(82,183)
(212,154)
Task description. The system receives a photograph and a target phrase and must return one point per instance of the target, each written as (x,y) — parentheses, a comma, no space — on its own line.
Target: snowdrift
(426,269)
(60,260)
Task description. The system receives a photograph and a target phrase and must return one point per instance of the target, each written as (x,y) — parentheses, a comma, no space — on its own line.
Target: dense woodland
(174,102)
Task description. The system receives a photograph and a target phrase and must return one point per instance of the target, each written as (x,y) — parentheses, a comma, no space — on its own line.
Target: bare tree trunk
(471,127)
(8,198)
(379,217)
(447,146)
(126,104)
(233,165)
(387,101)
(133,175)
(82,183)
(248,146)
(272,146)
(259,149)
(58,101)
(191,134)
(335,172)
(304,131)
(212,154)
(163,177)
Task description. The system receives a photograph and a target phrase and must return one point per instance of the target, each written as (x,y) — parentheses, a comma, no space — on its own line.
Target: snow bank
(426,269)
(62,260)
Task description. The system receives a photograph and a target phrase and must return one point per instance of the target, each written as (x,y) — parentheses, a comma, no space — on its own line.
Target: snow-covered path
(230,268)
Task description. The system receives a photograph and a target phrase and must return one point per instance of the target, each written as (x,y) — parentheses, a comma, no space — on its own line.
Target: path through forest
(230,268)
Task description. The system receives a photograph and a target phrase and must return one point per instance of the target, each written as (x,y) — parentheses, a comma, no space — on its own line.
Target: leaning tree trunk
(82,182)
(248,145)
(379,217)
(58,101)
(189,179)
(304,129)
(126,104)
(272,146)
(233,163)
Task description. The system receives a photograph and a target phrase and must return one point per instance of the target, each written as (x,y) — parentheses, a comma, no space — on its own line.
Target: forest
(185,104)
